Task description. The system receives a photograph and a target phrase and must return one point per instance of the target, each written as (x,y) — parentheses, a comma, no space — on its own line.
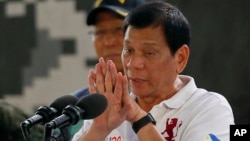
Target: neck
(147,103)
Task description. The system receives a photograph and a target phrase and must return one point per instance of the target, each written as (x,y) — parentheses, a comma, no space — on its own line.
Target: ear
(182,56)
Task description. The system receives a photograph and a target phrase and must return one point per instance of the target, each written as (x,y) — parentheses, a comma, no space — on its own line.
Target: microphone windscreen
(60,103)
(93,104)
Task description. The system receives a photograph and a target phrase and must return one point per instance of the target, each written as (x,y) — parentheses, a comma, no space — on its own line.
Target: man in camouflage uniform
(10,119)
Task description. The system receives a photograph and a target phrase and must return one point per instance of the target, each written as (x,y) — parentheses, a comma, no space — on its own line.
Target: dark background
(220,48)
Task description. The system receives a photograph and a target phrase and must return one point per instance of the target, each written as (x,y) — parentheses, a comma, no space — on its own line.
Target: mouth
(136,81)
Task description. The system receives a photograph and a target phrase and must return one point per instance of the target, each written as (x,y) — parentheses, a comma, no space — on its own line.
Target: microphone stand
(65,133)
(62,136)
(25,130)
(47,133)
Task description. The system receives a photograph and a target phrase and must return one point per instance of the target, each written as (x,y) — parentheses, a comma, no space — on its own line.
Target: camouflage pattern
(10,119)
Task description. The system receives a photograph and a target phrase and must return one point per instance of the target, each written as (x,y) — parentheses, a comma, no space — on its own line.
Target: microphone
(44,114)
(88,107)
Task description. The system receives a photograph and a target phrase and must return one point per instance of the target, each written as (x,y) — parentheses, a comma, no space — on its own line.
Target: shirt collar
(181,96)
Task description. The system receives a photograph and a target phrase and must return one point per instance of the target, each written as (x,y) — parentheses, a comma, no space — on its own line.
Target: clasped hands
(114,86)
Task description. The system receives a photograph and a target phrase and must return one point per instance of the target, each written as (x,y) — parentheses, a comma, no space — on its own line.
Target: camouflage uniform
(10,119)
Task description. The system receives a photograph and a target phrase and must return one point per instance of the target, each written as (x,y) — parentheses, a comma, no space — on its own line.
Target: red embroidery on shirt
(172,126)
(114,138)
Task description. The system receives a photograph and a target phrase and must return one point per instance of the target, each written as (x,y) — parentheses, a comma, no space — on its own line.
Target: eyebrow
(150,44)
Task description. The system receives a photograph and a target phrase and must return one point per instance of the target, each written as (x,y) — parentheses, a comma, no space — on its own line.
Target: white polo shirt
(192,114)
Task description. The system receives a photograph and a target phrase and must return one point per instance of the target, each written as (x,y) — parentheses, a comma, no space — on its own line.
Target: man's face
(148,63)
(108,38)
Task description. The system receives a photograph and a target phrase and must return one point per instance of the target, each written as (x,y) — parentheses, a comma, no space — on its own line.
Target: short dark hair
(175,26)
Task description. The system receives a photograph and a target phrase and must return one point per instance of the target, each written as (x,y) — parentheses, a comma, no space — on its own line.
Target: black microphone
(44,114)
(88,107)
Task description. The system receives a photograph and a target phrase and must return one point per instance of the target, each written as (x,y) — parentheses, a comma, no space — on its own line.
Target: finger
(91,82)
(118,86)
(113,73)
(99,79)
(108,78)
(125,92)
(103,65)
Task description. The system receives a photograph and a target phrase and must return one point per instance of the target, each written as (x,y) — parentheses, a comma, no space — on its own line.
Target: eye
(150,53)
(127,50)
(99,32)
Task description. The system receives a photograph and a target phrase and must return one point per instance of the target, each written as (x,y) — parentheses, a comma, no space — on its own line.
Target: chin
(138,92)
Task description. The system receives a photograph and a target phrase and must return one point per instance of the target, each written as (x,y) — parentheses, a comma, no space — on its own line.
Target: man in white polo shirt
(163,105)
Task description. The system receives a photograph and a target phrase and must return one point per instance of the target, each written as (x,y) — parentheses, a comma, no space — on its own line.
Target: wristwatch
(142,122)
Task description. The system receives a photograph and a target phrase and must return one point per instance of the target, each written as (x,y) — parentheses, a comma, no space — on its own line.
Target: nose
(135,62)
(110,39)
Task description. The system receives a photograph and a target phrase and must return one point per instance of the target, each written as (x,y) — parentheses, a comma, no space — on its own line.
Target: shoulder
(210,97)
(81,92)
(210,112)
(211,104)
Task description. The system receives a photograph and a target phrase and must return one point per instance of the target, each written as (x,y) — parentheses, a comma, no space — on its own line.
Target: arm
(135,113)
(145,125)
